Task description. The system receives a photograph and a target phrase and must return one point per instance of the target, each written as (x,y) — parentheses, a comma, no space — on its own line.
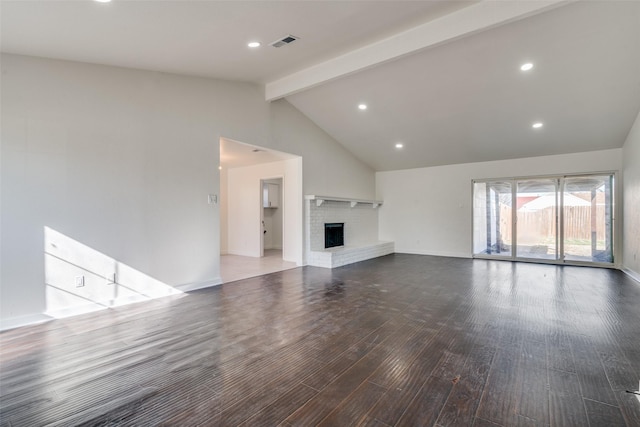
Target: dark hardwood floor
(399,340)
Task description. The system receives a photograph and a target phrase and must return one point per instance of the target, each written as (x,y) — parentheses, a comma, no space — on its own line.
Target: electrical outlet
(79,281)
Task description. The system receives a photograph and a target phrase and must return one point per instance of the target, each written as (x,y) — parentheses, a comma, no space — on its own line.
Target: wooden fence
(577,223)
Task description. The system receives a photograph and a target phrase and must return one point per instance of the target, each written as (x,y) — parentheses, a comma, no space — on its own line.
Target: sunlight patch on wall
(80,279)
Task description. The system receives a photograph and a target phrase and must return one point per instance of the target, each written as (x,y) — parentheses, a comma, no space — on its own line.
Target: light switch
(213,198)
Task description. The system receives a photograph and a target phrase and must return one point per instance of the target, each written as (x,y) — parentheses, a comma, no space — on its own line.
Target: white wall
(631,234)
(328,168)
(244,197)
(224,215)
(428,210)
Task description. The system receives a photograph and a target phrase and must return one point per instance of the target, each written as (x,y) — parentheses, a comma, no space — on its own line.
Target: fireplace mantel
(321,199)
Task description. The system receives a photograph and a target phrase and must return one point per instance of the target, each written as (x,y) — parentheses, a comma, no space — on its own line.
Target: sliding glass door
(492,205)
(588,218)
(537,218)
(551,219)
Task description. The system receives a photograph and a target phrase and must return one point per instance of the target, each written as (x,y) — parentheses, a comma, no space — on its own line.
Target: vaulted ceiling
(442,78)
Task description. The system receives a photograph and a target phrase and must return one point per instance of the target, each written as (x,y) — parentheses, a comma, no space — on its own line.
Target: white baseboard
(76,310)
(199,285)
(97,306)
(635,276)
(16,322)
(432,253)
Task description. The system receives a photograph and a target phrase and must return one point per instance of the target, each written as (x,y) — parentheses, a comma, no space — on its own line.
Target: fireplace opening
(333,234)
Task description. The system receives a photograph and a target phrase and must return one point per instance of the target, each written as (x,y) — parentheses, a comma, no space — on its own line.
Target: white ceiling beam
(464,22)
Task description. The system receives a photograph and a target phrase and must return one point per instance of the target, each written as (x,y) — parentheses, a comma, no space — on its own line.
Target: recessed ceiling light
(399,145)
(537,125)
(362,106)
(253,44)
(103,1)
(526,67)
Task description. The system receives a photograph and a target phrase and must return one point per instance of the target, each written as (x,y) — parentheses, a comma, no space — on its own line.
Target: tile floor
(236,267)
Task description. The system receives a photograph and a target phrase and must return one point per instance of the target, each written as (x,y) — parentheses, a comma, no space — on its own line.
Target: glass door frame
(557,181)
(560,256)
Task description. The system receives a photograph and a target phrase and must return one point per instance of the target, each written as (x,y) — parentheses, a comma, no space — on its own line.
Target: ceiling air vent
(284,41)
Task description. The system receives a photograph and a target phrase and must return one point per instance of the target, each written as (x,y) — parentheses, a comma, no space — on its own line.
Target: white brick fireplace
(360,218)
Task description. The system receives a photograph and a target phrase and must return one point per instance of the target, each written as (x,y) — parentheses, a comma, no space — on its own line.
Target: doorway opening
(260,210)
(556,219)
(272,217)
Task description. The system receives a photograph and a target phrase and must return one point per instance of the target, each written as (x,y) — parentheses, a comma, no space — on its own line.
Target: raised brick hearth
(360,218)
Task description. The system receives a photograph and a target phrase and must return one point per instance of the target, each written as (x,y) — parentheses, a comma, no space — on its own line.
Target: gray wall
(631,217)
(122,161)
(329,169)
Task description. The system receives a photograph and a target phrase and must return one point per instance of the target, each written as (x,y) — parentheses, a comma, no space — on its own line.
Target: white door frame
(263,180)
